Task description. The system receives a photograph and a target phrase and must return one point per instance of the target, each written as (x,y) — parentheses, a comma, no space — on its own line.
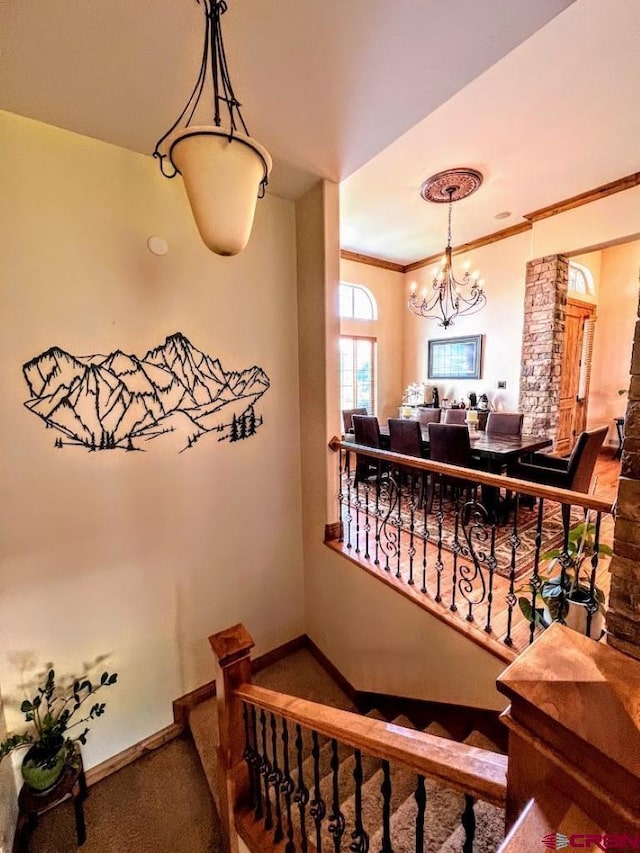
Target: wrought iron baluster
(349,517)
(535,583)
(412,527)
(376,561)
(265,768)
(439,563)
(301,795)
(248,756)
(456,551)
(565,559)
(357,502)
(257,763)
(317,808)
(421,802)
(514,542)
(287,787)
(425,532)
(336,818)
(593,603)
(343,456)
(477,527)
(399,524)
(385,789)
(275,778)
(367,520)
(360,843)
(492,565)
(468,821)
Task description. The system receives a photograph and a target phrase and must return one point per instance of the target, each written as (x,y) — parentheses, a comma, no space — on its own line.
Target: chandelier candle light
(450,297)
(224,170)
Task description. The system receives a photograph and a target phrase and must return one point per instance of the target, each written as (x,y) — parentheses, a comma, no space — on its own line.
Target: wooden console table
(31,805)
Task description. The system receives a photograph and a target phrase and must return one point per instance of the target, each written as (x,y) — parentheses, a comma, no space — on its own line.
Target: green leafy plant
(52,714)
(552,599)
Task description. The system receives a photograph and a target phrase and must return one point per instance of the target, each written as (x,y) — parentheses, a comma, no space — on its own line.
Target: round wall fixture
(451,185)
(157,245)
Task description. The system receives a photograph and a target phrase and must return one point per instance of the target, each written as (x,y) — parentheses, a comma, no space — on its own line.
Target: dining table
(492,451)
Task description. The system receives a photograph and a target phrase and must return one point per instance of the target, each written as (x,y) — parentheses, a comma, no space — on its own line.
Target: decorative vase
(576,619)
(222,175)
(41,768)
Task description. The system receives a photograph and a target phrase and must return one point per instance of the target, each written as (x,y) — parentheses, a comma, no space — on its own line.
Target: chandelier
(224,170)
(448,296)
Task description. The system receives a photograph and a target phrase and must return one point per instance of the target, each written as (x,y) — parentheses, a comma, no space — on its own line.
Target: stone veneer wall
(545,303)
(623,616)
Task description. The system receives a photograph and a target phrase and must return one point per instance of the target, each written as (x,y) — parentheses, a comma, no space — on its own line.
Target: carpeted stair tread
(404,721)
(479,739)
(438,730)
(489,833)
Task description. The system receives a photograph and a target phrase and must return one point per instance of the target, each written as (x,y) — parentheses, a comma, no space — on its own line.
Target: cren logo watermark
(607,841)
(555,841)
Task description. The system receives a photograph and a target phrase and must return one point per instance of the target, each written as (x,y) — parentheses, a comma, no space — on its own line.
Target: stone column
(542,343)
(623,616)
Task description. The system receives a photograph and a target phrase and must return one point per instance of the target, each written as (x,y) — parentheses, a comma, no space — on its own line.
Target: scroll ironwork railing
(323,779)
(489,548)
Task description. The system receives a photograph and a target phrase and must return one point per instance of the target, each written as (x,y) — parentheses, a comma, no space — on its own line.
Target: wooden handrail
(468,769)
(565,496)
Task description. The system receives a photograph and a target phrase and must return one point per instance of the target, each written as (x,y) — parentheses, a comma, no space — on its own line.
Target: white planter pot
(222,177)
(576,619)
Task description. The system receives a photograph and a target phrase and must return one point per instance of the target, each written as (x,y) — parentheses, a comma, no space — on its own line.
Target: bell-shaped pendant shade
(223,176)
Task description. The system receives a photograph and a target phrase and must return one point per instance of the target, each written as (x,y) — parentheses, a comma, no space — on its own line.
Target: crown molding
(619,185)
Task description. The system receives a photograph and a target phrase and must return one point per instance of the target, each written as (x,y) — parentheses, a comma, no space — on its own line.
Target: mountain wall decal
(175,395)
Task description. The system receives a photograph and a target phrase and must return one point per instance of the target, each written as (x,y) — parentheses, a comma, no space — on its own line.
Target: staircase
(326,795)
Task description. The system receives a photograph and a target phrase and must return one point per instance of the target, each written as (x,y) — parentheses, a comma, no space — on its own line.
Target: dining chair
(367,432)
(454,416)
(504,423)
(428,416)
(573,472)
(347,417)
(449,443)
(405,436)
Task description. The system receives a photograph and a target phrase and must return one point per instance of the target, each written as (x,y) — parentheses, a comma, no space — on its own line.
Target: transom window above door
(357,303)
(580,279)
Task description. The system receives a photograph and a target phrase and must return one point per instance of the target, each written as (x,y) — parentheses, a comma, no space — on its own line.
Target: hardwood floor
(475,602)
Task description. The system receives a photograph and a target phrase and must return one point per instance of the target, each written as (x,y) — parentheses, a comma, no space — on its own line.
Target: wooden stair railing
(466,561)
(574,742)
(263,736)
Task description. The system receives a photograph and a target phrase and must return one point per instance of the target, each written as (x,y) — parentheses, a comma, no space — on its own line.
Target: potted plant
(568,595)
(52,716)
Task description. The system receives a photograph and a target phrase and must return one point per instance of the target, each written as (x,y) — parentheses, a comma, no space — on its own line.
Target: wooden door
(572,411)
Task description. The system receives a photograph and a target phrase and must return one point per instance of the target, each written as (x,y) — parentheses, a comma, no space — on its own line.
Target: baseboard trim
(183,706)
(132,753)
(283,651)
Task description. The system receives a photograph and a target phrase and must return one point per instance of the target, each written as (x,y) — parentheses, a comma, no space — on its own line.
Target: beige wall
(387,288)
(619,283)
(139,556)
(503,267)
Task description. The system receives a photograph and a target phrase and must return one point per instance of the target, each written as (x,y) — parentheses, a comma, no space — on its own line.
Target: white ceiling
(558,116)
(325,84)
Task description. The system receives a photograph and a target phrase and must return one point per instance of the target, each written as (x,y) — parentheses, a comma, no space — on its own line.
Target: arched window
(580,279)
(357,303)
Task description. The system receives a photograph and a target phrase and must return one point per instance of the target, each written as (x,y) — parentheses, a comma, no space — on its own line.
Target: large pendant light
(449,297)
(224,170)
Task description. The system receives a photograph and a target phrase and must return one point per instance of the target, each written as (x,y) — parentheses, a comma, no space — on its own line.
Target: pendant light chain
(214,52)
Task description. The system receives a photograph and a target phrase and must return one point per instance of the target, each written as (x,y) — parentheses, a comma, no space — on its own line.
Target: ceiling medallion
(449,297)
(451,185)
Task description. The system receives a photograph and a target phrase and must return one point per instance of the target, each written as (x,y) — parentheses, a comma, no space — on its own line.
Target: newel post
(232,648)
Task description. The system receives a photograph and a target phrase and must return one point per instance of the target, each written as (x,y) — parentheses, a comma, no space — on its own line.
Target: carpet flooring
(158,804)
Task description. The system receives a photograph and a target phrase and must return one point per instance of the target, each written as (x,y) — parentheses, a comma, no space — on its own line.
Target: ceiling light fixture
(223,168)
(447,301)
